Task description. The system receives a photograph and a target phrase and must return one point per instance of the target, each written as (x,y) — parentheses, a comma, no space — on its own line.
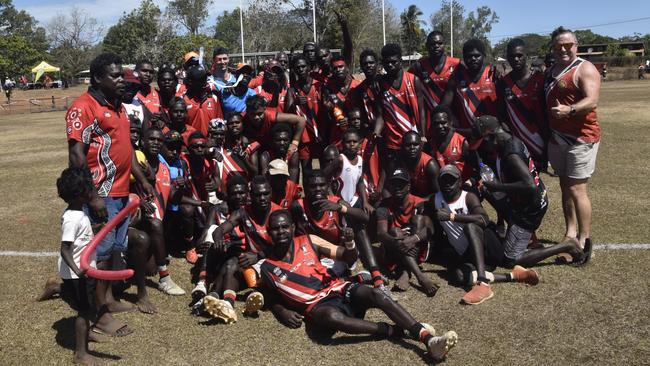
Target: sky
(516,17)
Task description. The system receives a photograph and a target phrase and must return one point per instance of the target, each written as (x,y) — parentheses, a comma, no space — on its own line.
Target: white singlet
(453,229)
(348,179)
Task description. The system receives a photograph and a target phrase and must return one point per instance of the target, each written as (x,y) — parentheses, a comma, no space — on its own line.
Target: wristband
(294,142)
(208,235)
(452,216)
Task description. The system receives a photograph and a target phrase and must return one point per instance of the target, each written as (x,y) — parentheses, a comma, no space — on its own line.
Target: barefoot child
(75,187)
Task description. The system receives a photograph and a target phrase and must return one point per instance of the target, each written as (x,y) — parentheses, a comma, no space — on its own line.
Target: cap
(278,166)
(196,73)
(400,174)
(191,55)
(131,76)
(243,69)
(173,136)
(487,125)
(134,122)
(216,122)
(273,65)
(450,169)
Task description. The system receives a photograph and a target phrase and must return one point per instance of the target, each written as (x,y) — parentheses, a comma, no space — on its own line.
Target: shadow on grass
(65,338)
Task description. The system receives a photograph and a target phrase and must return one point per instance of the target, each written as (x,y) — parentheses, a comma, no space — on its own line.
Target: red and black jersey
(474,99)
(563,89)
(200,111)
(236,237)
(302,281)
(257,236)
(269,97)
(396,216)
(199,177)
(420,183)
(325,226)
(400,110)
(262,135)
(344,101)
(310,111)
(104,127)
(230,164)
(452,153)
(364,98)
(292,192)
(527,209)
(163,188)
(151,101)
(434,83)
(525,111)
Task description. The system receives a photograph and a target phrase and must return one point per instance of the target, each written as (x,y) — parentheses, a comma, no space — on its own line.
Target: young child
(75,187)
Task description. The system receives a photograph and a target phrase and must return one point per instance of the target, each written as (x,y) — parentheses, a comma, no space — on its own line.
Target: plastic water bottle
(487,175)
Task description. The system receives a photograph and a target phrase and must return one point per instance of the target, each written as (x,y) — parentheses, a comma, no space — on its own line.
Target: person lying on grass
(299,287)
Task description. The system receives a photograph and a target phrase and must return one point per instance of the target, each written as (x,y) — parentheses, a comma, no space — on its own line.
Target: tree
(190,13)
(22,42)
(412,33)
(142,29)
(536,45)
(477,24)
(227,29)
(586,36)
(73,38)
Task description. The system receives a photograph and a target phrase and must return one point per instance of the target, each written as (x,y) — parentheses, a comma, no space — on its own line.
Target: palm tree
(411,28)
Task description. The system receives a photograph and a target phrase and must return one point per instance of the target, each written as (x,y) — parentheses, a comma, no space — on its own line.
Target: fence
(35,105)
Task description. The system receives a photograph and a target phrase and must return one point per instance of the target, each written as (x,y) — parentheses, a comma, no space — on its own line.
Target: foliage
(536,45)
(73,38)
(136,31)
(412,33)
(477,24)
(23,43)
(191,14)
(586,36)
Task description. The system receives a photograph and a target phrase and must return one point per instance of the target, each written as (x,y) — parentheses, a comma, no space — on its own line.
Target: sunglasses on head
(566,46)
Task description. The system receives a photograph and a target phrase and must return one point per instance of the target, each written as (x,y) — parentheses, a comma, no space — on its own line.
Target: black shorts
(342,301)
(493,249)
(79,294)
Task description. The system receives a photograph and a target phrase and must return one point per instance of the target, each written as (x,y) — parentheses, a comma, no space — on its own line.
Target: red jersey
(263,134)
(420,183)
(474,99)
(400,110)
(163,189)
(93,121)
(201,111)
(303,281)
(397,218)
(187,131)
(325,226)
(564,89)
(151,101)
(364,98)
(435,83)
(524,111)
(231,164)
(236,237)
(308,112)
(292,192)
(256,81)
(452,153)
(198,178)
(257,235)
(269,96)
(345,101)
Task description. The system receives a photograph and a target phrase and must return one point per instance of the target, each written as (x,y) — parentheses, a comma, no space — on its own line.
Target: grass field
(596,315)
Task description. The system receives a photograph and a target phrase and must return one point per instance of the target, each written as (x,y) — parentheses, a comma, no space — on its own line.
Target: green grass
(595,315)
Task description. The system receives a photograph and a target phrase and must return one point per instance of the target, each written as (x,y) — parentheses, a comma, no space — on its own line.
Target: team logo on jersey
(277,271)
(451,69)
(454,150)
(508,93)
(107,115)
(561,84)
(283,278)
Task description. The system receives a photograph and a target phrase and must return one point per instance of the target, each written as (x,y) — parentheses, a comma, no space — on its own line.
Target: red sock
(230,296)
(376,277)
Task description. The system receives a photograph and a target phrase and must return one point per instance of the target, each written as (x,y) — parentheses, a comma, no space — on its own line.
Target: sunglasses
(566,46)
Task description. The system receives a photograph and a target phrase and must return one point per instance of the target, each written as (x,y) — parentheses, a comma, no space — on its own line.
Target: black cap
(196,73)
(400,174)
(487,125)
(450,169)
(173,136)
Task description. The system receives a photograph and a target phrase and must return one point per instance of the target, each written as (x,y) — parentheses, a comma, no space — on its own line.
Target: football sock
(418,331)
(163,271)
(230,296)
(376,277)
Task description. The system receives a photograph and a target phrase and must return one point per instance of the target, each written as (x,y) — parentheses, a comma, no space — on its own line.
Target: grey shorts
(574,161)
(516,242)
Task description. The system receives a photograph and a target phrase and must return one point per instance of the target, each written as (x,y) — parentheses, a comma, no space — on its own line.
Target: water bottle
(487,175)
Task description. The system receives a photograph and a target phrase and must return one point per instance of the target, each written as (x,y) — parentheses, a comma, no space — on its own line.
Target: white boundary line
(610,246)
